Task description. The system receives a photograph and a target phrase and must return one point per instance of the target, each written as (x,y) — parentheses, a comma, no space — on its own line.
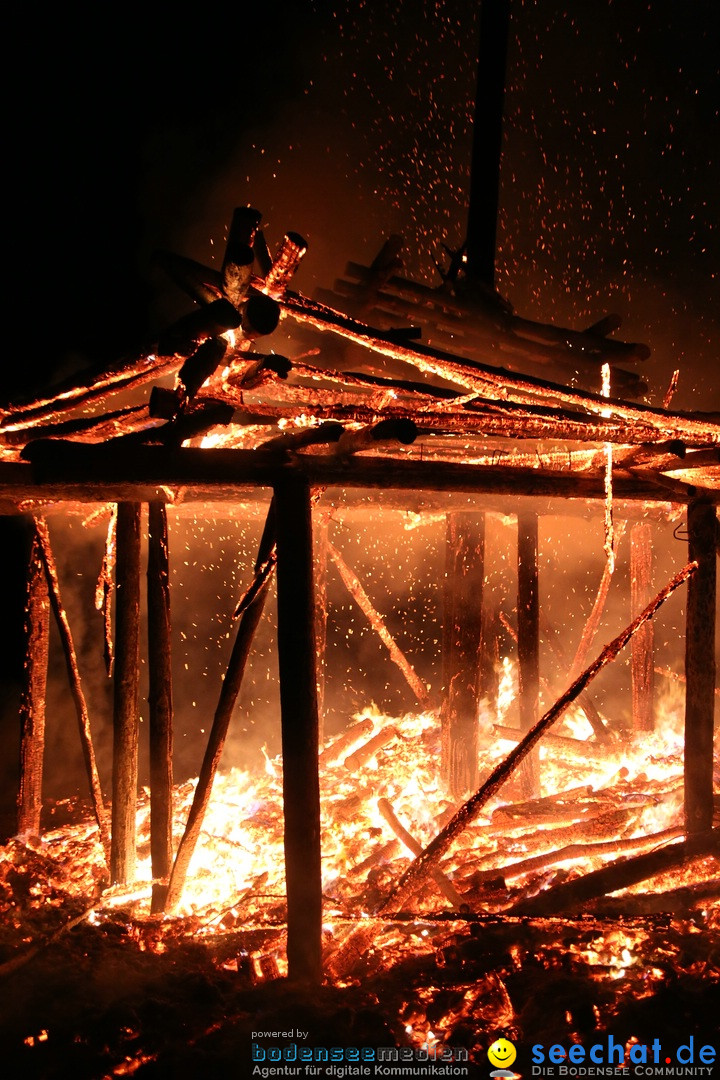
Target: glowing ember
(238,866)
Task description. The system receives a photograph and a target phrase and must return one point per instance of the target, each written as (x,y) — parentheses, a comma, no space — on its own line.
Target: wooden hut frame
(238,421)
(417,418)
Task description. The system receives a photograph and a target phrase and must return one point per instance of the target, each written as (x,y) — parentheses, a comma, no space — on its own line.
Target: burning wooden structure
(207,415)
(237,420)
(211,418)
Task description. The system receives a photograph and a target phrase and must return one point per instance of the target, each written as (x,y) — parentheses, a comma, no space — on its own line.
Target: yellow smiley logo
(502,1053)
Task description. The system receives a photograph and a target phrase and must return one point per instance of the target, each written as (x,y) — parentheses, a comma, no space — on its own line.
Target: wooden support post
(462,627)
(238,261)
(298,702)
(160,701)
(32,705)
(321,613)
(16,533)
(126,693)
(642,652)
(528,614)
(701,616)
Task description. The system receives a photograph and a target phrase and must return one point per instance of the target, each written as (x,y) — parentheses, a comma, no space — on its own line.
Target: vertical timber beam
(32,705)
(489,640)
(462,628)
(299,714)
(528,614)
(321,612)
(160,701)
(701,615)
(643,644)
(16,531)
(487,141)
(126,693)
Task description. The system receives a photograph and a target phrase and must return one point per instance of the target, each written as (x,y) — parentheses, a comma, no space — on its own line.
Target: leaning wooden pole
(701,616)
(462,629)
(528,615)
(354,587)
(160,701)
(470,810)
(249,611)
(298,703)
(76,689)
(643,644)
(32,704)
(126,693)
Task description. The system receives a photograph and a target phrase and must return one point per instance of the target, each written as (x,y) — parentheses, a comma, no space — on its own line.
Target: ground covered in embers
(125,998)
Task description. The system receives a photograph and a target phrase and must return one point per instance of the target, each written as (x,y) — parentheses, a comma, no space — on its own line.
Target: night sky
(131,131)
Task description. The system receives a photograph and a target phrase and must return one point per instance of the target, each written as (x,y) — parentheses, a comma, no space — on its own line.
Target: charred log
(184,336)
(484,378)
(593,621)
(32,702)
(160,700)
(351,442)
(262,253)
(298,702)
(701,616)
(239,256)
(259,315)
(198,367)
(98,471)
(462,629)
(126,693)
(202,283)
(298,440)
(285,263)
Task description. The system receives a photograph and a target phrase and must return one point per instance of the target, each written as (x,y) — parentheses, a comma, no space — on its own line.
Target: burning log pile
(381,801)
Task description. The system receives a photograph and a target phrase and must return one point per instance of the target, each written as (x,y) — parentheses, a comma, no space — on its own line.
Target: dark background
(136,129)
